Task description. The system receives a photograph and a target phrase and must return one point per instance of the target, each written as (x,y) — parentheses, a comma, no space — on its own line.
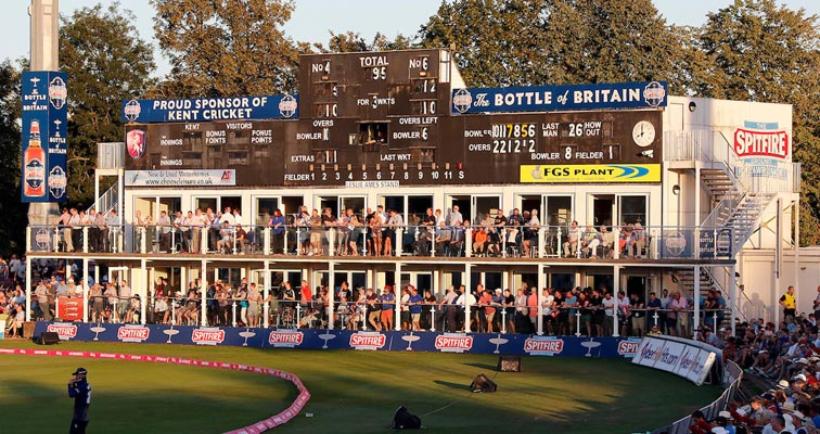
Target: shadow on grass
(44,409)
(480,365)
(451,385)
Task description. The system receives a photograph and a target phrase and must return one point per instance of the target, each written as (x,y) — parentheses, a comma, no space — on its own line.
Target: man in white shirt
(197,222)
(448,311)
(547,302)
(124,300)
(70,234)
(228,217)
(679,306)
(164,224)
(609,309)
(113,228)
(573,235)
(456,220)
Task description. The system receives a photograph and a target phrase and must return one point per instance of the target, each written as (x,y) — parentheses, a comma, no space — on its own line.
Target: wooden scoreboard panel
(372,86)
(385,117)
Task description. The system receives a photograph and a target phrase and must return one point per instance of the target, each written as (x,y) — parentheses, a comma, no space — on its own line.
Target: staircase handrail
(107,201)
(722,290)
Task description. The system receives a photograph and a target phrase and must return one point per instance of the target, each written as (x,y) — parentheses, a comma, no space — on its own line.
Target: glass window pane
(633,210)
(264,209)
(559,210)
(203,203)
(485,205)
(354,203)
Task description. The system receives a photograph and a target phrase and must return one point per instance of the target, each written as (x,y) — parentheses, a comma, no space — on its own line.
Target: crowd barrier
(258,427)
(323,339)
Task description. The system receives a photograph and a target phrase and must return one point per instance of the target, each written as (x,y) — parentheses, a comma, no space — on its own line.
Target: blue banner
(44,132)
(604,96)
(210,109)
(314,339)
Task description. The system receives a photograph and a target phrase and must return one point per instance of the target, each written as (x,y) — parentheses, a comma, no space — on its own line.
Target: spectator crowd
(367,232)
(781,362)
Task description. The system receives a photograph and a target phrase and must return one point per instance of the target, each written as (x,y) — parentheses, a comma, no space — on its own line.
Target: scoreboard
(370,119)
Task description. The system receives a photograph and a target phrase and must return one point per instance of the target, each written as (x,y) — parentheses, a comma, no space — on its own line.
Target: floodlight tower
(44,56)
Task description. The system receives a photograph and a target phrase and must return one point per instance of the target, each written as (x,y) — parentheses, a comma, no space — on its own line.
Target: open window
(373,133)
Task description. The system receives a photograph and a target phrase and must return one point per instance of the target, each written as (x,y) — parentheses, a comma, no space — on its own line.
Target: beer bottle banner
(45,125)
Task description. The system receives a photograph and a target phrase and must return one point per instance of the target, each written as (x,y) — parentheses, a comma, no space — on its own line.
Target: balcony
(502,244)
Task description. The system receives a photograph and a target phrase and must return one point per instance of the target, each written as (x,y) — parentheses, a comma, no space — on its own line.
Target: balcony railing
(608,242)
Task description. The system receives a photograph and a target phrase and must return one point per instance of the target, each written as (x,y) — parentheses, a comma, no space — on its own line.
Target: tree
(354,41)
(13,213)
(495,43)
(106,62)
(765,52)
(524,42)
(225,47)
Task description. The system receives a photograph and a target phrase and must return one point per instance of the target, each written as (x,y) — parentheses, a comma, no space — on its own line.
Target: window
(417,207)
(633,210)
(264,209)
(559,211)
(372,133)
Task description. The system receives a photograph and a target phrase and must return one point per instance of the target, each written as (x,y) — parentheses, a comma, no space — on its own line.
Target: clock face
(643,133)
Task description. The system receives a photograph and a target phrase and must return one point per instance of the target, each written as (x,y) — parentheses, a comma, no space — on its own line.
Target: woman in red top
(305,295)
(486,302)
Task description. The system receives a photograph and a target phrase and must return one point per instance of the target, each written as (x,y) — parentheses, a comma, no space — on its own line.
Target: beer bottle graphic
(34,161)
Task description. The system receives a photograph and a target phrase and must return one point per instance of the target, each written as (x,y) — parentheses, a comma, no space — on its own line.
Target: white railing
(110,155)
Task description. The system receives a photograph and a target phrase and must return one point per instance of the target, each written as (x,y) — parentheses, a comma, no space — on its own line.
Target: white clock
(643,133)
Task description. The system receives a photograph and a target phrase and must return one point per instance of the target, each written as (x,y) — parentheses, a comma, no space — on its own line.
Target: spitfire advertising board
(44,133)
(510,344)
(603,96)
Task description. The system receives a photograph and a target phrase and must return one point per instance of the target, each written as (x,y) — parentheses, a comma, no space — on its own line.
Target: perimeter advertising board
(44,132)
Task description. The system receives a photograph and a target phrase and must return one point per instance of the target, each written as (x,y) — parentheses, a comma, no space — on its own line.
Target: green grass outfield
(352,392)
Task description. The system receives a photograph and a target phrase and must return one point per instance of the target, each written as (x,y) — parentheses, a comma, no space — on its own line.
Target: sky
(314,19)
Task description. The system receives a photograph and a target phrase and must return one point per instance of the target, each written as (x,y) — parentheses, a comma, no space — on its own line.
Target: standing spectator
(679,311)
(373,310)
(448,310)
(43,301)
(277,224)
(638,314)
(124,299)
(609,304)
(521,312)
(789,303)
(532,308)
(415,307)
(388,300)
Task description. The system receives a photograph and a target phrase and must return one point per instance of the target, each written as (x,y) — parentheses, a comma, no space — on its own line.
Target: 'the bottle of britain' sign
(44,145)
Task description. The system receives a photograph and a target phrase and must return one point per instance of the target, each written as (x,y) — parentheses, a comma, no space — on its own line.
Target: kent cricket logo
(288,106)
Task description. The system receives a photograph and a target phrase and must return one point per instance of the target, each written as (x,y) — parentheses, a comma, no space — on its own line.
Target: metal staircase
(736,203)
(109,200)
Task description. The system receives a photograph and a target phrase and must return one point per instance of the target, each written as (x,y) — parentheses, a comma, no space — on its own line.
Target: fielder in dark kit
(80,390)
